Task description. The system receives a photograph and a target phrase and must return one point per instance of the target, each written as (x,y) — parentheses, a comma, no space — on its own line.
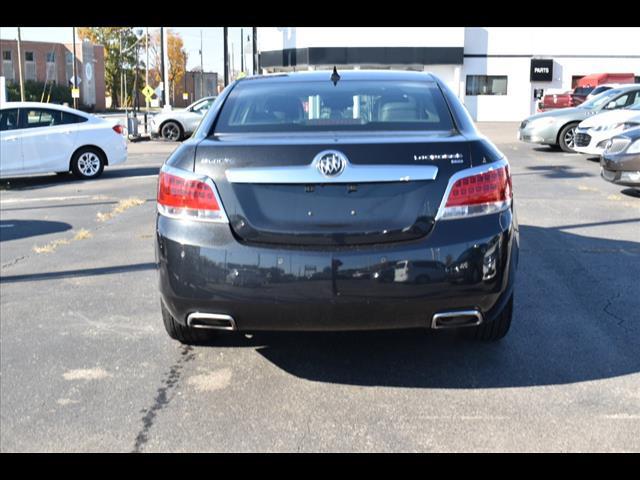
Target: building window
(7,65)
(29,66)
(51,57)
(486,85)
(637,79)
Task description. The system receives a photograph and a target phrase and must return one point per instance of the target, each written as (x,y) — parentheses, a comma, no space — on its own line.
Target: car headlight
(634,147)
(615,126)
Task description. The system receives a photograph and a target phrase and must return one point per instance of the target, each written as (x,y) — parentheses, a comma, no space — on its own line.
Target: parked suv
(301,196)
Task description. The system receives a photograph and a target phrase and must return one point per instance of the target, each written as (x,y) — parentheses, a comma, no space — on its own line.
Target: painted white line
(43,199)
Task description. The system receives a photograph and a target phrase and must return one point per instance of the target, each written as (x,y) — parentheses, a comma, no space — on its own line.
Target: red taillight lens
(119,129)
(184,197)
(480,194)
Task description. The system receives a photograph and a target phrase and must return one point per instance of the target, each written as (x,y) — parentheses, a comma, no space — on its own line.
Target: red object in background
(585,85)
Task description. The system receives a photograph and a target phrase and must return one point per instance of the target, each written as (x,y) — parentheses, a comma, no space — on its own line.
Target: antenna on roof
(335,77)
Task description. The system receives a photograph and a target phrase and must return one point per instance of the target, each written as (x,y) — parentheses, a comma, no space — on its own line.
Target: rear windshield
(254,106)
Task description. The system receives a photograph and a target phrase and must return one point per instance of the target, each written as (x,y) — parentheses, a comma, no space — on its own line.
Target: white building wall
(508,51)
(278,38)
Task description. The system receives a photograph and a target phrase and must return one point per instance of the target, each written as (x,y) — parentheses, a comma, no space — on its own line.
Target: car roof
(52,106)
(321,75)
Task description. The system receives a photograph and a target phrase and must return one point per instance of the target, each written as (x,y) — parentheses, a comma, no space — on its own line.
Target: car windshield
(600,99)
(254,106)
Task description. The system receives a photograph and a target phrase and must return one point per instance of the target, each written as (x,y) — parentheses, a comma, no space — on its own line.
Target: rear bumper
(203,268)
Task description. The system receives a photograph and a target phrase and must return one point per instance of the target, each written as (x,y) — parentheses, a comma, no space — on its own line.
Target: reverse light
(479,191)
(186,195)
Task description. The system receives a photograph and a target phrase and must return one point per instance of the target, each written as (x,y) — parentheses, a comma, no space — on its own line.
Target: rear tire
(88,163)
(182,333)
(567,138)
(495,330)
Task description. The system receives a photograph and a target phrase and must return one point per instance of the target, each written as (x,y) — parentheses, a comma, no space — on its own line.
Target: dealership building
(495,71)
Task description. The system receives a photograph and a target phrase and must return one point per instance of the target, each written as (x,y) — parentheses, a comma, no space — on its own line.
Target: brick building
(53,62)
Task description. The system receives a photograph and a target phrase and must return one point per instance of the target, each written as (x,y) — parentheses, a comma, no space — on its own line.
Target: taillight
(119,129)
(187,195)
(481,193)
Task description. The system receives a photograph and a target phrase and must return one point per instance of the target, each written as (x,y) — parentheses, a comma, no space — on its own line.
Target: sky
(212,43)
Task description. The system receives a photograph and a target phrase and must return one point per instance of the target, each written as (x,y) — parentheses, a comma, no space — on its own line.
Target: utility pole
(75,79)
(121,72)
(255,50)
(20,66)
(146,69)
(166,105)
(201,69)
(226,57)
(241,50)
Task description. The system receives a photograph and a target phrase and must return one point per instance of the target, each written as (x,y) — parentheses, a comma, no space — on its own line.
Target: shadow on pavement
(43,181)
(16,229)
(560,171)
(562,332)
(631,192)
(85,272)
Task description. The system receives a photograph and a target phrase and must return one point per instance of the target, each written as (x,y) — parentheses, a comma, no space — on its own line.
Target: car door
(10,143)
(47,141)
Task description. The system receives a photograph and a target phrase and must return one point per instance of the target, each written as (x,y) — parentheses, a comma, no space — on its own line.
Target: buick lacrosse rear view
(318,201)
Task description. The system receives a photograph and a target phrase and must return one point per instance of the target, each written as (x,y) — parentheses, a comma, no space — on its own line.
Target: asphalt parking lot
(86,364)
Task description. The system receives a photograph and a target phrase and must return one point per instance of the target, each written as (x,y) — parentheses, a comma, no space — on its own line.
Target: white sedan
(176,125)
(44,137)
(593,133)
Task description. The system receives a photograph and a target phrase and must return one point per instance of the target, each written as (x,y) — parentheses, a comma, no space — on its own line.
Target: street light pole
(201,69)
(226,57)
(146,67)
(241,50)
(20,66)
(75,79)
(255,50)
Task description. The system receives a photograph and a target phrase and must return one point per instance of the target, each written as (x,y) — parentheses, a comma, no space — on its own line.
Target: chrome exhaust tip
(456,319)
(212,321)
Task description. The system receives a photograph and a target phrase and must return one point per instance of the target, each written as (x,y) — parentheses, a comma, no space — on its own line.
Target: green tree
(120,56)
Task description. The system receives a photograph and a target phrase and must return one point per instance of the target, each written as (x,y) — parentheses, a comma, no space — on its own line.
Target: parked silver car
(176,125)
(557,127)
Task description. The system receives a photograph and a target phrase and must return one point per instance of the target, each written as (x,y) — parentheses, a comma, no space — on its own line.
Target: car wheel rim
(88,164)
(569,137)
(171,132)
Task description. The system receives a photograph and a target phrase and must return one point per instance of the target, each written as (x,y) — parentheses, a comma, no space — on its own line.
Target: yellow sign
(241,75)
(75,93)
(185,96)
(148,92)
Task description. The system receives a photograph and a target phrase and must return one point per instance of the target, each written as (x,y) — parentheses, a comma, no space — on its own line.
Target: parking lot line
(42,199)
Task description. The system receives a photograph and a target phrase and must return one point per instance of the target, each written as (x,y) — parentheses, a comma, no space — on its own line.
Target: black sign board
(541,70)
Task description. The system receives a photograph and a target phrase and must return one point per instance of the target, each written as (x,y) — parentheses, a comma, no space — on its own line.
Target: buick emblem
(331,163)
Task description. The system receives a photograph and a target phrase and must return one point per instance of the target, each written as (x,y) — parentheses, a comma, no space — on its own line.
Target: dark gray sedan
(620,161)
(557,127)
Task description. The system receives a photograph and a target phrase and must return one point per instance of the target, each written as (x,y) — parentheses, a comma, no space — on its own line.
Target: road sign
(147,91)
(185,96)
(71,82)
(75,93)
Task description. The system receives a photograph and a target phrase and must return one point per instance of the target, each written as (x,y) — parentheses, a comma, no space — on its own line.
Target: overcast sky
(211,43)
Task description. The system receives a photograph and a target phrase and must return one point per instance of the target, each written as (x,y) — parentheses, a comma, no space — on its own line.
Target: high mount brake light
(480,193)
(185,195)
